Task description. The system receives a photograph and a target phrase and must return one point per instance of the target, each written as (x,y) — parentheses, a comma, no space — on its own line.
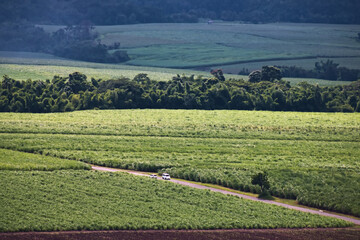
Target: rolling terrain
(222,43)
(311,158)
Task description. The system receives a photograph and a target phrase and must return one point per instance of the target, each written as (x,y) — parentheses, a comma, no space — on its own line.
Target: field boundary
(171,136)
(217,234)
(204,67)
(198,186)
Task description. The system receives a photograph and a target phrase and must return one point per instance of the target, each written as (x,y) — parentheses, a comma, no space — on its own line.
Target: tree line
(76,92)
(79,42)
(113,12)
(327,70)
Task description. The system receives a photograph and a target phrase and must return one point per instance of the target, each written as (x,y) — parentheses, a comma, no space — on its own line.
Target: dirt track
(355,221)
(279,234)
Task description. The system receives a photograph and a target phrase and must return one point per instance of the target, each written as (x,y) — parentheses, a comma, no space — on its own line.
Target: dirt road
(194,185)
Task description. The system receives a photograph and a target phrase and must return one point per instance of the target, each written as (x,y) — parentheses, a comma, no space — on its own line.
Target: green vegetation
(220,44)
(73,42)
(262,180)
(77,93)
(323,70)
(79,200)
(47,69)
(307,64)
(232,47)
(111,12)
(13,160)
(183,55)
(311,157)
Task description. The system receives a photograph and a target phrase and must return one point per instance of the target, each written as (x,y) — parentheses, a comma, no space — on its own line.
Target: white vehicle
(153,176)
(165,176)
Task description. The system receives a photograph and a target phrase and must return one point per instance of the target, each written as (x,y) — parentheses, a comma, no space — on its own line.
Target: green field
(14,160)
(43,66)
(84,200)
(221,43)
(164,50)
(37,66)
(311,157)
(193,45)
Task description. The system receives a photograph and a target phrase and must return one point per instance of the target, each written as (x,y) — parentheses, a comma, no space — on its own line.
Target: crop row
(311,157)
(317,173)
(84,200)
(14,160)
(191,123)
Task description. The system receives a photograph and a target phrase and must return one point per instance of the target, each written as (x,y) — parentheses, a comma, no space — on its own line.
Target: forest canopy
(113,12)
(76,92)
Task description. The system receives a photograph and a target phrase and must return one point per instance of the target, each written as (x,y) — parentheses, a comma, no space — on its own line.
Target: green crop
(311,157)
(84,200)
(220,44)
(14,160)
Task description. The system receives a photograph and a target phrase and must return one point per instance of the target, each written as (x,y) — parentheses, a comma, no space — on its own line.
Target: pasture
(311,157)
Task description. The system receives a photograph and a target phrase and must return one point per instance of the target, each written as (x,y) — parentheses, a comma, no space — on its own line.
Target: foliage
(261,179)
(311,157)
(323,70)
(23,37)
(13,160)
(79,200)
(255,76)
(78,42)
(73,42)
(217,46)
(267,73)
(111,12)
(182,92)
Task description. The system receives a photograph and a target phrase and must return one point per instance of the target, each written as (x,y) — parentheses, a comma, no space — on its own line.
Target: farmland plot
(84,200)
(311,157)
(221,43)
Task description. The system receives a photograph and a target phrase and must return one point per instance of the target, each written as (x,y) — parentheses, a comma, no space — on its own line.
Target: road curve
(194,185)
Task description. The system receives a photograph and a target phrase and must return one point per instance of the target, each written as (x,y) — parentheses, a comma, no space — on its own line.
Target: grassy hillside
(311,157)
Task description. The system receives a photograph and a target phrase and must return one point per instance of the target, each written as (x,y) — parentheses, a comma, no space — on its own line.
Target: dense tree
(23,37)
(267,73)
(73,42)
(270,73)
(261,179)
(112,12)
(327,70)
(75,92)
(255,76)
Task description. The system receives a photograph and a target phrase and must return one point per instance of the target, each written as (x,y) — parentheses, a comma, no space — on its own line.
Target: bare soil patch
(294,234)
